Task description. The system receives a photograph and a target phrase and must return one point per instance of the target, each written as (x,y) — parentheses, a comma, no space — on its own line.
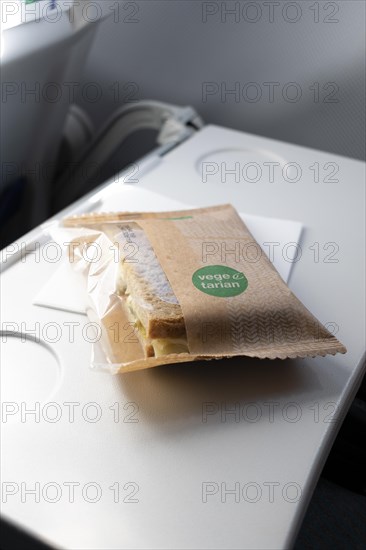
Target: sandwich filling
(155,347)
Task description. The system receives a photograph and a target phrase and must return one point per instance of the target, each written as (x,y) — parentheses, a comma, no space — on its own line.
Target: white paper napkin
(278,238)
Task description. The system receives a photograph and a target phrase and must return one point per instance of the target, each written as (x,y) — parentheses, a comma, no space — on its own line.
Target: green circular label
(220,280)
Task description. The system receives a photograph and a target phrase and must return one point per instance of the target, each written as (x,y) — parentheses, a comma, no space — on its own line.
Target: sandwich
(148,285)
(148,296)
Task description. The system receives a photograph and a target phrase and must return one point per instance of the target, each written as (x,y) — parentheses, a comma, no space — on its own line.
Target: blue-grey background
(169,49)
